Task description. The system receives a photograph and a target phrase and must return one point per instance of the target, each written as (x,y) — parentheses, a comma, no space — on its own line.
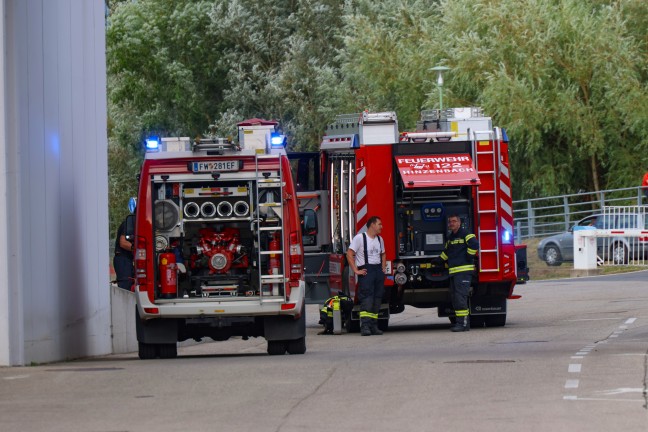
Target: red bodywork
(144,253)
(375,167)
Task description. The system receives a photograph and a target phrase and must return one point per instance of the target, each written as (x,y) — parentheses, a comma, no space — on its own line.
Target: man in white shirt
(367,259)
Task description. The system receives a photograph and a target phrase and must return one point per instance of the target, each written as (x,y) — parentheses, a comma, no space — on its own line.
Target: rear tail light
(296,262)
(140,261)
(296,257)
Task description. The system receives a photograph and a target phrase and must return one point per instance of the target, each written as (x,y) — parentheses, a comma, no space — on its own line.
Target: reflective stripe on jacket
(460,251)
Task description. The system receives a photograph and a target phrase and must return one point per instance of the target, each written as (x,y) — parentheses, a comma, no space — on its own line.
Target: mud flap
(285,327)
(487,305)
(156,331)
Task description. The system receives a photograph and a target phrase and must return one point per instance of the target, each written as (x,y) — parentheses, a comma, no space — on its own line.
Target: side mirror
(129,231)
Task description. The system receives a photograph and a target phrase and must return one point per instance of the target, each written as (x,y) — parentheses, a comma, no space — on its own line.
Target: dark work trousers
(371,288)
(459,289)
(124,271)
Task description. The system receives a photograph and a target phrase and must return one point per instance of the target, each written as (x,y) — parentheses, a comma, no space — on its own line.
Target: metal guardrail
(541,217)
(626,240)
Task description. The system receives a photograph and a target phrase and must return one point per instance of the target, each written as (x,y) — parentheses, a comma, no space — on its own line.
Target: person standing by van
(123,259)
(367,259)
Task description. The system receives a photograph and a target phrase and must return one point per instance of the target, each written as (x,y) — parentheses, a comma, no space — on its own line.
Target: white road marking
(571,384)
(574,368)
(630,354)
(16,377)
(621,390)
(601,399)
(577,368)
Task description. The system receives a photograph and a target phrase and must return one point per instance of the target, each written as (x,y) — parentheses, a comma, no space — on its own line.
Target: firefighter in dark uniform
(367,259)
(459,253)
(123,259)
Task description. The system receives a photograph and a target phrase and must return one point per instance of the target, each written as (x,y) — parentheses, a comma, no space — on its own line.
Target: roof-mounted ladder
(486,147)
(268,197)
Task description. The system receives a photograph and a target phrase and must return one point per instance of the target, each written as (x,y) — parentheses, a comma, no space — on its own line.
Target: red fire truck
(218,245)
(454,163)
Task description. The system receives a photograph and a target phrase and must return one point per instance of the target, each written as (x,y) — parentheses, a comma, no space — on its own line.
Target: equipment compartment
(218,239)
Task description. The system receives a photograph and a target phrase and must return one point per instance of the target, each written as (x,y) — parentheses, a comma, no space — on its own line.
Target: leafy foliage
(563,76)
(567,78)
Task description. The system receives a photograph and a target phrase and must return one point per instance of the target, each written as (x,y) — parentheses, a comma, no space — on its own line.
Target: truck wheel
(168,351)
(552,256)
(383,324)
(147,351)
(498,320)
(276,347)
(352,326)
(296,346)
(477,321)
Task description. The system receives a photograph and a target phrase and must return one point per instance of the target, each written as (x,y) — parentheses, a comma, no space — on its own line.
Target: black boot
(374,328)
(462,324)
(365,327)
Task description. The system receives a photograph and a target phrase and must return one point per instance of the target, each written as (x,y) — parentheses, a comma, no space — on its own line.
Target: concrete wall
(124,337)
(54,296)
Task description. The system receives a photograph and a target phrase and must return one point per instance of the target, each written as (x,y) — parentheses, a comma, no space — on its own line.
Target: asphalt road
(572,357)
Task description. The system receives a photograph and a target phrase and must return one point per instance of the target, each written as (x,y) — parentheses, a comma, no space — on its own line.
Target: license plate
(216,166)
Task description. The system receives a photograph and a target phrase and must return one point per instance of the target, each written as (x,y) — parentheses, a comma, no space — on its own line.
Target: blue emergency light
(506,236)
(152,143)
(132,204)
(277,140)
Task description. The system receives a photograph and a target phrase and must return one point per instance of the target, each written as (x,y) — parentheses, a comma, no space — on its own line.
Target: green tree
(164,78)
(565,78)
(388,50)
(281,63)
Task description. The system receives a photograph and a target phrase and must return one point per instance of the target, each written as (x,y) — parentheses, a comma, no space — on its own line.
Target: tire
(296,346)
(168,351)
(147,351)
(352,326)
(619,254)
(383,324)
(552,256)
(498,320)
(477,321)
(276,347)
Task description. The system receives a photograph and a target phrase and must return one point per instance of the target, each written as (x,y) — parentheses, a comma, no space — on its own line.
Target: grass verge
(539,270)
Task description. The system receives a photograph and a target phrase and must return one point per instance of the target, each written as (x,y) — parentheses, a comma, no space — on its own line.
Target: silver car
(559,248)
